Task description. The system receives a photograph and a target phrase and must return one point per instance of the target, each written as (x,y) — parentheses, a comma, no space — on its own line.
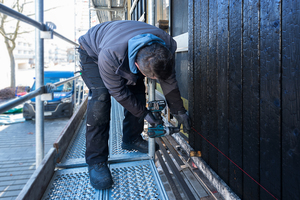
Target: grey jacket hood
(107,43)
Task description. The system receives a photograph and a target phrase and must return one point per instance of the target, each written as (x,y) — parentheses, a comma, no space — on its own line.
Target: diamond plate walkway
(135,175)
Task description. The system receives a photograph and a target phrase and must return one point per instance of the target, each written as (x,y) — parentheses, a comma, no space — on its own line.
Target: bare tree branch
(3,20)
(16,31)
(2,30)
(32,14)
(28,2)
(45,10)
(25,32)
(10,38)
(8,34)
(3,34)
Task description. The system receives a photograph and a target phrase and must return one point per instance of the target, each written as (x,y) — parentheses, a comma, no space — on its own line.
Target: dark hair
(155,60)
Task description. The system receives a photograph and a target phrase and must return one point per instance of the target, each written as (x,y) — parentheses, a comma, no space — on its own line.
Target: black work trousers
(98,112)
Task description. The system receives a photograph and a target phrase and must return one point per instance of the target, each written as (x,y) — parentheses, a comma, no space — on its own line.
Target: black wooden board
(192,41)
(212,84)
(270,102)
(202,86)
(181,65)
(235,95)
(290,99)
(222,90)
(251,98)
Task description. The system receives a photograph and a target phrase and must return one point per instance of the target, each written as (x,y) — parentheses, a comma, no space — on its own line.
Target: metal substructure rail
(43,31)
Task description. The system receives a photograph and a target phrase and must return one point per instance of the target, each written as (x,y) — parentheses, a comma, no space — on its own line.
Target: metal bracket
(48,33)
(195,154)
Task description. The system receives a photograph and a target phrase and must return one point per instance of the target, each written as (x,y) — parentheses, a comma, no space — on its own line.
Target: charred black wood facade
(244,92)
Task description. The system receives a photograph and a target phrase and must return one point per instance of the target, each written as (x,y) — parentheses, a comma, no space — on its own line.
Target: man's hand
(183,118)
(152,120)
(50,88)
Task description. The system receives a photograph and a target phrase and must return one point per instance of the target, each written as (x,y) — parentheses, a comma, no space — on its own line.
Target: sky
(62,17)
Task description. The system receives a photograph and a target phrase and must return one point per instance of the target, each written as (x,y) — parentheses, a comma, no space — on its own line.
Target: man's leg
(97,126)
(133,126)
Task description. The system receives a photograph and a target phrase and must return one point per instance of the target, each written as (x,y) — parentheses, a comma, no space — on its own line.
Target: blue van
(63,102)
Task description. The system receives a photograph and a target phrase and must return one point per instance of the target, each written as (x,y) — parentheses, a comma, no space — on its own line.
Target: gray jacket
(107,43)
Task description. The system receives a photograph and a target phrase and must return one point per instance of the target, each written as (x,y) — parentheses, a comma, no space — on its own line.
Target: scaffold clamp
(48,33)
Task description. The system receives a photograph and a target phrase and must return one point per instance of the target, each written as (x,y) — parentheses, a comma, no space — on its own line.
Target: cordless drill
(159,130)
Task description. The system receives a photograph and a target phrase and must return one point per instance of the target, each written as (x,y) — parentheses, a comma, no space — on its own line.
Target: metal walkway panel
(116,153)
(135,180)
(75,155)
(132,180)
(71,184)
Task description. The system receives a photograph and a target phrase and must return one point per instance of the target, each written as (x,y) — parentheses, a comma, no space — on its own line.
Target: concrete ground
(17,153)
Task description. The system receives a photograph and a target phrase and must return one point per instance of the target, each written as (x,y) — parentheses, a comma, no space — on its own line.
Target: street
(17,153)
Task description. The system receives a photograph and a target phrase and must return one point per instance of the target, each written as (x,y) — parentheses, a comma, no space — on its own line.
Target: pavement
(17,153)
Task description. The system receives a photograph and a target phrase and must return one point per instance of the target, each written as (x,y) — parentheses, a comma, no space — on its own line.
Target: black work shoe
(100,176)
(138,144)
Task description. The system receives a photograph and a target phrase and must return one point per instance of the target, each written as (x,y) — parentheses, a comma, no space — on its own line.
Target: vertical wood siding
(290,91)
(244,92)
(251,97)
(222,89)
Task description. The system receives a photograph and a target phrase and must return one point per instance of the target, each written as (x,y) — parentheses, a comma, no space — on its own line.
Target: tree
(10,29)
(10,33)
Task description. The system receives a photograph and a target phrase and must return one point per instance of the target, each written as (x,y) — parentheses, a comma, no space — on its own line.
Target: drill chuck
(160,130)
(171,130)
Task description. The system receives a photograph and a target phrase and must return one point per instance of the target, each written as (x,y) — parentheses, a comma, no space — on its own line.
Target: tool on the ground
(159,130)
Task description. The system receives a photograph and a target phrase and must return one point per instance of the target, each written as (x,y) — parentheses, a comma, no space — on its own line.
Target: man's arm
(175,103)
(116,85)
(172,94)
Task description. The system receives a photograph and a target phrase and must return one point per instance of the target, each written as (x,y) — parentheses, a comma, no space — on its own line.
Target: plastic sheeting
(6,119)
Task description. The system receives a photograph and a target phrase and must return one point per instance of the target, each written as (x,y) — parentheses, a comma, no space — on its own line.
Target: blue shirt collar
(136,43)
